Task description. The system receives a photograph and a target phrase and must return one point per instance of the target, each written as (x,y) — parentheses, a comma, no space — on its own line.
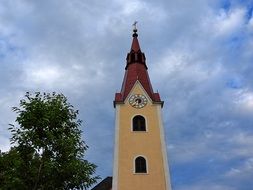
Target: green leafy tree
(48,151)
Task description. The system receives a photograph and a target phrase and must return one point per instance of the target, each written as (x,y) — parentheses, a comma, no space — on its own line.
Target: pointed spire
(135,44)
(136,70)
(135,55)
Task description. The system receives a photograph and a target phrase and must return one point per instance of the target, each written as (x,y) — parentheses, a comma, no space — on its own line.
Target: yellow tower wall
(149,144)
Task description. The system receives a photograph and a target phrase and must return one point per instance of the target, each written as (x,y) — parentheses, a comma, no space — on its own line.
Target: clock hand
(135,103)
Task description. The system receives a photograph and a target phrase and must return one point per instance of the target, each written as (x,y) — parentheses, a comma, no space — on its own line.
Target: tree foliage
(48,151)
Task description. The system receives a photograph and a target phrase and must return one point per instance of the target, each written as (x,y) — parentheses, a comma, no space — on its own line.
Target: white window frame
(146,124)
(147,166)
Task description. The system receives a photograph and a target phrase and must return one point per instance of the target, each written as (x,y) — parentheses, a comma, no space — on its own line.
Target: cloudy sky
(200,58)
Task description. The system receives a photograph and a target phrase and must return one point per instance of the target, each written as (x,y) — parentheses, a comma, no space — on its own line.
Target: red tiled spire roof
(135,44)
(136,70)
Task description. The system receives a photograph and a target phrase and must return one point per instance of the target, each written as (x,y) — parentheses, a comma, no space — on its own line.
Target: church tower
(140,159)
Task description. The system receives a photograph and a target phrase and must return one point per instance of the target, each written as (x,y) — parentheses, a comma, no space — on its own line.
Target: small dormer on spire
(135,55)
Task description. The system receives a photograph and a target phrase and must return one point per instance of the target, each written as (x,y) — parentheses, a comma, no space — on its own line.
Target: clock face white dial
(138,100)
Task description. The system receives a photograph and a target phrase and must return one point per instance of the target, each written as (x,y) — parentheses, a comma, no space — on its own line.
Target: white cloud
(230,22)
(133,7)
(46,75)
(5,142)
(224,23)
(242,173)
(79,48)
(206,186)
(242,145)
(244,100)
(250,23)
(139,8)
(7,101)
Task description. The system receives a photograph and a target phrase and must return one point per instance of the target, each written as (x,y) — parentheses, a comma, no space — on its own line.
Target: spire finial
(135,29)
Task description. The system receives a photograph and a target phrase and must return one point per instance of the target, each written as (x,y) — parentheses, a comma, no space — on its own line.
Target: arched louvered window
(139,55)
(133,57)
(140,165)
(139,123)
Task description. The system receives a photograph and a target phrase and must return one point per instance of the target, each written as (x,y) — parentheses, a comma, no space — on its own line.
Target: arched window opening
(139,55)
(140,165)
(139,123)
(133,57)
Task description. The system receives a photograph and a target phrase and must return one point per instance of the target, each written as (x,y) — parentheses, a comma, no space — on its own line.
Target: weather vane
(134,25)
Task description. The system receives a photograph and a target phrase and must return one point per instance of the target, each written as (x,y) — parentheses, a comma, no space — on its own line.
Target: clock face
(138,100)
